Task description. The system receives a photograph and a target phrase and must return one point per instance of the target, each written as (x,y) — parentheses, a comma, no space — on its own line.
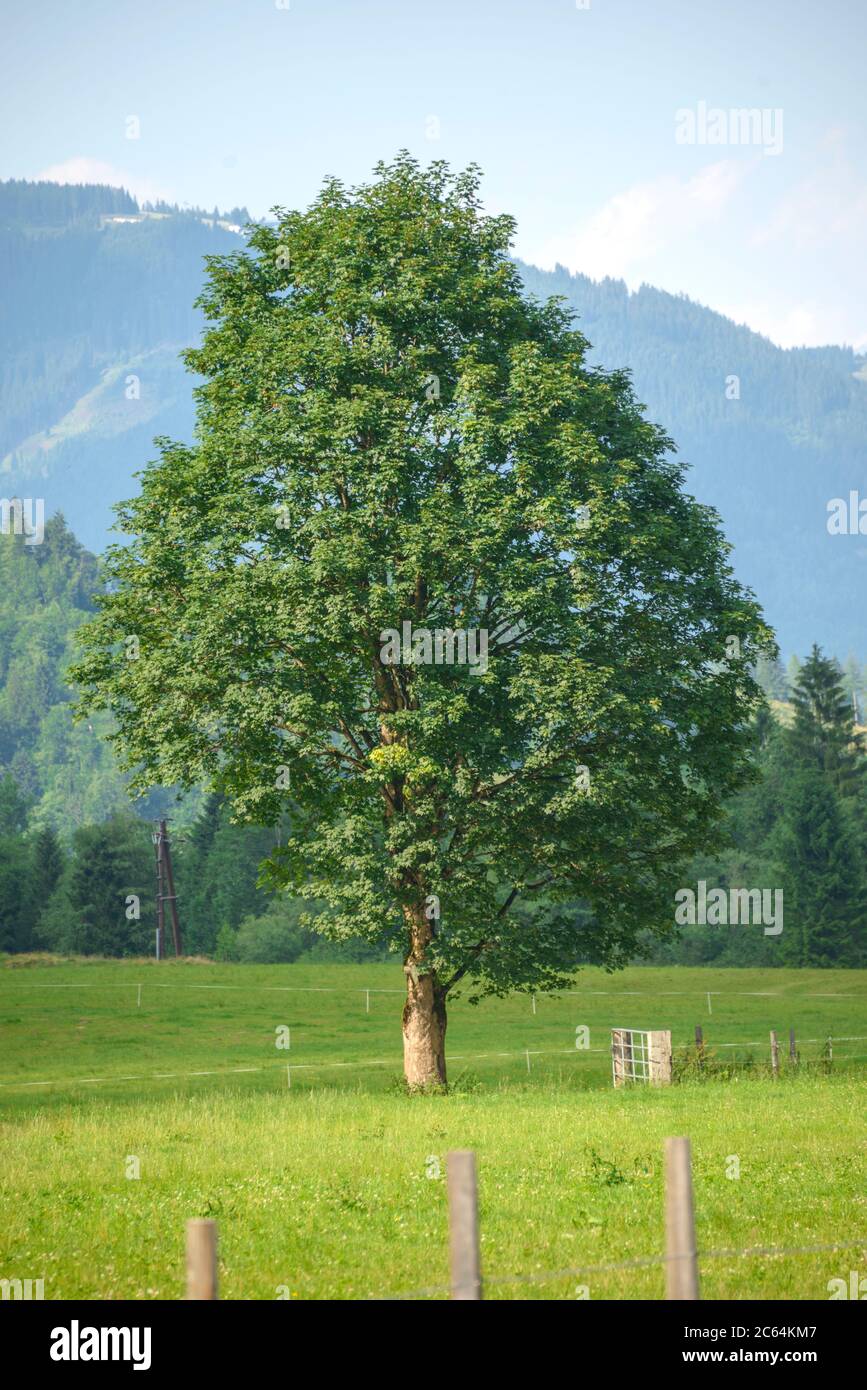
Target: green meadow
(327,1181)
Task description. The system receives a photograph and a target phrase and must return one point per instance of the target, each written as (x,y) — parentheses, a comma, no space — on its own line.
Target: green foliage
(275,936)
(48,864)
(93,909)
(217,870)
(87,303)
(824,878)
(822,736)
(388,431)
(801,827)
(68,772)
(226,947)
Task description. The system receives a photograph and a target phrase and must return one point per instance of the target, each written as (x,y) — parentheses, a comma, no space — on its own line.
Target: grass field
(328,1182)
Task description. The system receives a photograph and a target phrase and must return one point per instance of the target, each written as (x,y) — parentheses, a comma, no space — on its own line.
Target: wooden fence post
(775,1054)
(699,1045)
(681,1270)
(793,1051)
(202,1259)
(466,1274)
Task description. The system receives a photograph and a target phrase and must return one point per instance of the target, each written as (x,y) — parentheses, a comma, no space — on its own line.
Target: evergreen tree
(48,862)
(855,685)
(793,667)
(14,807)
(95,912)
(771,676)
(216,873)
(824,900)
(16,904)
(823,735)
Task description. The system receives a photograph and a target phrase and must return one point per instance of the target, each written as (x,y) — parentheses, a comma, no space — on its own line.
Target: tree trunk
(424,1031)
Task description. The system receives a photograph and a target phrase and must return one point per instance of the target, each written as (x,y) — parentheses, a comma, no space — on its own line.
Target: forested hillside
(65,772)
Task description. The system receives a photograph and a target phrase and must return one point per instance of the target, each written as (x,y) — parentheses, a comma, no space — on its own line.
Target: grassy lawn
(333,1186)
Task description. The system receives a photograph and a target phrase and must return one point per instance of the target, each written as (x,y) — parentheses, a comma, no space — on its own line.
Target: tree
(823,735)
(390,434)
(49,862)
(275,935)
(854,686)
(824,888)
(14,807)
(216,875)
(771,676)
(17,909)
(106,901)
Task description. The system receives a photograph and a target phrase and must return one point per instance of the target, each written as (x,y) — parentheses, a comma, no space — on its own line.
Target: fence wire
(285,1065)
(639,1262)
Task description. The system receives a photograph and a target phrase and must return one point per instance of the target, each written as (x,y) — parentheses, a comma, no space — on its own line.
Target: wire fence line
(298,1066)
(639,1262)
(554,995)
(165,984)
(285,1065)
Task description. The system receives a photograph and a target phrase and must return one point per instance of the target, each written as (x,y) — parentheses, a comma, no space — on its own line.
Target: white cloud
(809,324)
(827,209)
(639,223)
(82,169)
(798,325)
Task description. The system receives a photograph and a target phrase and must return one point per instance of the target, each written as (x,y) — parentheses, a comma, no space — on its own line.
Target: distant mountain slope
(769,461)
(100,302)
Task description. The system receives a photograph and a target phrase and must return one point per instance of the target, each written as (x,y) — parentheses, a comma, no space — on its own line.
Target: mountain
(101,301)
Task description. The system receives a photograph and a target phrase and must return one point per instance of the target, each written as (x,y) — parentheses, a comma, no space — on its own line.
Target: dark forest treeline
(34,203)
(26,203)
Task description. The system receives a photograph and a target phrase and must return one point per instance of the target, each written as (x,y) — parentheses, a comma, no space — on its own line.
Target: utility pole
(161,919)
(171,896)
(165,890)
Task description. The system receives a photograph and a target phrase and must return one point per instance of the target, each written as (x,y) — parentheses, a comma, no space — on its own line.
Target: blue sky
(572,113)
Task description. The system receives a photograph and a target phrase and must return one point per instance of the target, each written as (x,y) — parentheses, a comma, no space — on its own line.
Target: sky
(610,129)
